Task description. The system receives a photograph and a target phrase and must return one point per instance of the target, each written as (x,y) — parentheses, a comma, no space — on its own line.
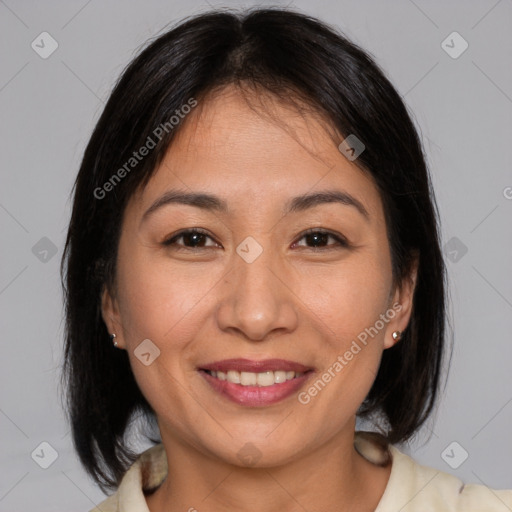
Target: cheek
(349,303)
(167,307)
(348,298)
(161,302)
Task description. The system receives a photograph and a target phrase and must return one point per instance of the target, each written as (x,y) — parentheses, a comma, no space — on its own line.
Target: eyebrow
(301,203)
(296,204)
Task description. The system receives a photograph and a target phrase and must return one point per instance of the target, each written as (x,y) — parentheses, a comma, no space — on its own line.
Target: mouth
(255,383)
(262,379)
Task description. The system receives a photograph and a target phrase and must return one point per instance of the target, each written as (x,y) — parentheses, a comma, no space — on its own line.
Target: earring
(113,339)
(397,335)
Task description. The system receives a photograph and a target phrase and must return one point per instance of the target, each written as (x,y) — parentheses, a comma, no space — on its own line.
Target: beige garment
(411,487)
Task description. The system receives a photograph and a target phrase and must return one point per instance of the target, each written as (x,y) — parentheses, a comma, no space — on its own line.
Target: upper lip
(248,365)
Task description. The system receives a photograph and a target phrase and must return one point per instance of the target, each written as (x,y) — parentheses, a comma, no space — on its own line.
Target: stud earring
(113,339)
(397,335)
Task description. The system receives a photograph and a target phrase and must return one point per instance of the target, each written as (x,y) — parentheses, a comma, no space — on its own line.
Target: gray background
(48,107)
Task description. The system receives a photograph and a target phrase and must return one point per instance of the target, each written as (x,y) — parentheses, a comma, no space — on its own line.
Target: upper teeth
(255,379)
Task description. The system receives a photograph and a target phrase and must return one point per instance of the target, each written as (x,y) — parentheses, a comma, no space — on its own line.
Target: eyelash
(341,241)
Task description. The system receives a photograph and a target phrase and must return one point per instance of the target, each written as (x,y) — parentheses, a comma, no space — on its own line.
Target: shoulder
(414,488)
(144,475)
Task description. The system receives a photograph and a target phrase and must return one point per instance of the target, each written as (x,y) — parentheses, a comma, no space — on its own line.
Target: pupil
(194,238)
(315,238)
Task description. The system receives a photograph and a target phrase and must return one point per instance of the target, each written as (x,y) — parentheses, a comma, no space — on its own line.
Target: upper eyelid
(183,232)
(342,240)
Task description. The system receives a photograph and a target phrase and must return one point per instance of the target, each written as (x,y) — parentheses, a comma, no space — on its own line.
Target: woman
(253,262)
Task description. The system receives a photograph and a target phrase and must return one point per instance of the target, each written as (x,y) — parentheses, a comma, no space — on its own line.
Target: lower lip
(255,396)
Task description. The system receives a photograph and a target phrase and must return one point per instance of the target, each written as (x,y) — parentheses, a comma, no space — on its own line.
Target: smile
(255,383)
(263,379)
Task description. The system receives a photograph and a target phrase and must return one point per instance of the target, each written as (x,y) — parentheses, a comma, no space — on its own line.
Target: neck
(333,477)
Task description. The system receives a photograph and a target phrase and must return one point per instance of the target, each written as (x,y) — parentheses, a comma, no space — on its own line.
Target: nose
(256,300)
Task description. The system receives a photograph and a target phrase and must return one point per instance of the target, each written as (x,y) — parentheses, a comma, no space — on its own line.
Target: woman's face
(300,318)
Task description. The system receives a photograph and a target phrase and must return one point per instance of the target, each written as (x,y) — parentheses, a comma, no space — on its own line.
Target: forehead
(256,147)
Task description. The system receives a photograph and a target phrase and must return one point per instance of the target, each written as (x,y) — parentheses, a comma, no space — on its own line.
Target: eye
(198,238)
(190,239)
(319,239)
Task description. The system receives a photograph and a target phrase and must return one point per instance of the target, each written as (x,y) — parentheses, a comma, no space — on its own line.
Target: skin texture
(295,301)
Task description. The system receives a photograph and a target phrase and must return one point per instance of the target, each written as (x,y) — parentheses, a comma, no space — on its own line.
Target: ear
(402,303)
(111,315)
